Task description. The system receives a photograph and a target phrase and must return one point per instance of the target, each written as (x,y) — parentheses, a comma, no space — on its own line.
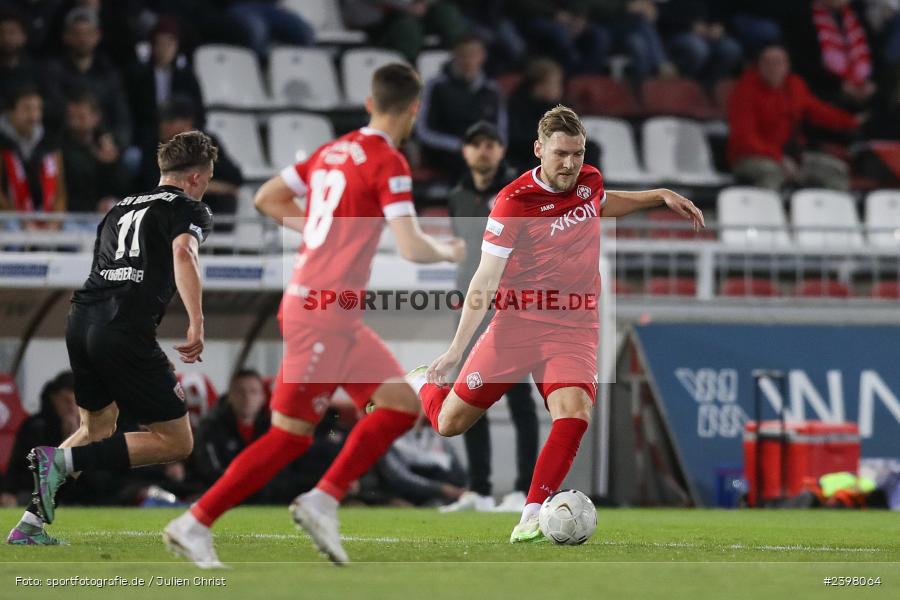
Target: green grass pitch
(406,553)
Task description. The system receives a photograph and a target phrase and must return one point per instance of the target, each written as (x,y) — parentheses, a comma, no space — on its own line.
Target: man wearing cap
(470,203)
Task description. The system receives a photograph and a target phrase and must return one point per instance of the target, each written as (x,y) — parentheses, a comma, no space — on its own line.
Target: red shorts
(556,356)
(318,361)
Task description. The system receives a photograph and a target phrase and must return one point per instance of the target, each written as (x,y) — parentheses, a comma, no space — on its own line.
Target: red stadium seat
(672,286)
(596,95)
(818,288)
(886,290)
(681,231)
(11,416)
(723,96)
(623,288)
(740,286)
(676,97)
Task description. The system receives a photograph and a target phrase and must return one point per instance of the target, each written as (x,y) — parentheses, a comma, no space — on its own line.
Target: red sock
(368,442)
(556,458)
(249,472)
(433,397)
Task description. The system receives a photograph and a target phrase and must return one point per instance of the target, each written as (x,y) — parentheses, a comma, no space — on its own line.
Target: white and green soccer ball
(568,517)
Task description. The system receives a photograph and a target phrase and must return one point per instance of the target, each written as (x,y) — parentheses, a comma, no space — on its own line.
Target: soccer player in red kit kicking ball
(541,249)
(352,185)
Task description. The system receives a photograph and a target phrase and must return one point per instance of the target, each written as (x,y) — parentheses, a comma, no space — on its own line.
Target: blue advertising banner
(702,377)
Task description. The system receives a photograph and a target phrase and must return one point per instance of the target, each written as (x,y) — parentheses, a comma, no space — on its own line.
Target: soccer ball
(568,517)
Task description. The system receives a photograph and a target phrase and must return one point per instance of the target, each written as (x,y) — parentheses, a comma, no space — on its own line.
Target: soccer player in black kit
(146,248)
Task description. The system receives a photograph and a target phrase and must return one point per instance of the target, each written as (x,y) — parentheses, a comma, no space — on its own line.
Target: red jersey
(552,241)
(351,185)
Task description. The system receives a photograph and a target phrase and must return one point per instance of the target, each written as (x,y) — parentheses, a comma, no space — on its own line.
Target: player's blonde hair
(560,118)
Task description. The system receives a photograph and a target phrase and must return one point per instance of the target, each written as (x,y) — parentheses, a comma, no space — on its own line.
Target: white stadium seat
(752,217)
(823,209)
(430,62)
(229,76)
(325,17)
(882,212)
(248,233)
(618,152)
(304,77)
(357,67)
(677,150)
(239,135)
(294,136)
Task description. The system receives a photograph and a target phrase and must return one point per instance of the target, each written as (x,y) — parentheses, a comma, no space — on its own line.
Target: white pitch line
(393,540)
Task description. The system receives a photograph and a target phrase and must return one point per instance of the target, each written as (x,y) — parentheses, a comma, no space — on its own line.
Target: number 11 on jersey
(134,217)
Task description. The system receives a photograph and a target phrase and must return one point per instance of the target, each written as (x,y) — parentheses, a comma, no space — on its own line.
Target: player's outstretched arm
(419,247)
(275,199)
(619,204)
(478,300)
(187,279)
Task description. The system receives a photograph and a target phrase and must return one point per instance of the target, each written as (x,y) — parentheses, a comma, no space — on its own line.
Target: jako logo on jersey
(400,184)
(583,192)
(547,207)
(573,217)
(495,227)
(473,380)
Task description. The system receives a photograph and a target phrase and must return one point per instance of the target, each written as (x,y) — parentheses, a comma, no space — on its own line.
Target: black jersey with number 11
(132,276)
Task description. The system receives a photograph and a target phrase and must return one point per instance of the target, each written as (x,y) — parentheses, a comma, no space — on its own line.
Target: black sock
(32,508)
(110,454)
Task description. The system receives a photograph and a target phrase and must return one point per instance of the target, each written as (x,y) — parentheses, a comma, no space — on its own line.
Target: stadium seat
(229,76)
(751,217)
(677,150)
(722,96)
(672,286)
(676,97)
(430,62)
(295,136)
(819,208)
(823,288)
(248,231)
(357,66)
(618,151)
(11,416)
(597,95)
(239,135)
(753,286)
(325,17)
(304,77)
(883,211)
(886,290)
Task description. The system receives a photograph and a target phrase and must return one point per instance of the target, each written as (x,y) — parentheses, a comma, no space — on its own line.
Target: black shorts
(117,361)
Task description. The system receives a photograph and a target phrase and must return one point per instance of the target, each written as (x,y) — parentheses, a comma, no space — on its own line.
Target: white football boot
(316,513)
(470,501)
(189,538)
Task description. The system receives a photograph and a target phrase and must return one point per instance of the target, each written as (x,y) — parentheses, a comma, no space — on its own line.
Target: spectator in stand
(490,20)
(31,168)
(540,90)
(634,23)
(82,67)
(883,17)
(237,419)
(179,116)
(832,53)
(153,83)
(94,169)
(562,30)
(698,43)
(759,23)
(402,24)
(264,22)
(17,68)
(453,101)
(768,106)
(470,203)
(421,468)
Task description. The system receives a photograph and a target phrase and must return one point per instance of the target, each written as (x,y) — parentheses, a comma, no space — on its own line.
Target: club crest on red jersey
(474,381)
(583,192)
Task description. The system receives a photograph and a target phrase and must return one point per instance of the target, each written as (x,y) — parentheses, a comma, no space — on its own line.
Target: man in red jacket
(767,109)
